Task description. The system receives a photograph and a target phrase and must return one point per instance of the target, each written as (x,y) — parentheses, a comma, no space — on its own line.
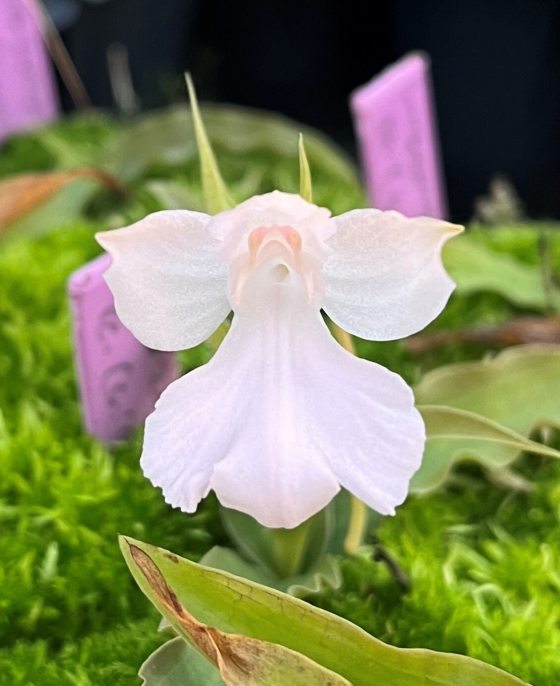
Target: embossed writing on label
(397,135)
(119,378)
(27,94)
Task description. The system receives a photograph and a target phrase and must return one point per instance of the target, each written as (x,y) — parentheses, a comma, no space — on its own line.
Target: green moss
(483,562)
(63,496)
(483,566)
(110,658)
(70,142)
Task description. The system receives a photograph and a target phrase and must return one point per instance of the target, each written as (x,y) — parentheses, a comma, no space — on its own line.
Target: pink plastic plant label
(120,379)
(27,95)
(396,129)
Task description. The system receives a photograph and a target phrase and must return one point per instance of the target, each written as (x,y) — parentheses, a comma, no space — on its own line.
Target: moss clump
(63,496)
(109,658)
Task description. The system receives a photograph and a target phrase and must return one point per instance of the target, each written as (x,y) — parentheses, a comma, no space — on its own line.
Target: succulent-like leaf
(233,604)
(454,434)
(306,543)
(176,663)
(325,573)
(486,410)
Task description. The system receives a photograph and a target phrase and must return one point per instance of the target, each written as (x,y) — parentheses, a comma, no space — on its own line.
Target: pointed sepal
(216,195)
(305,185)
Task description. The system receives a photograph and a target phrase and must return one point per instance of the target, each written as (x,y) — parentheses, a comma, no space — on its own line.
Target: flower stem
(288,549)
(344,338)
(381,554)
(357,526)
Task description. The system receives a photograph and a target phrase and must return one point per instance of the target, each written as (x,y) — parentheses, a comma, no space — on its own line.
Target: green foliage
(483,565)
(476,267)
(176,663)
(247,652)
(68,143)
(110,658)
(275,632)
(514,389)
(256,151)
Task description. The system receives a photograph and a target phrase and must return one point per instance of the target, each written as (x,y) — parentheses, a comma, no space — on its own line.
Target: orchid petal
(281,416)
(170,287)
(384,278)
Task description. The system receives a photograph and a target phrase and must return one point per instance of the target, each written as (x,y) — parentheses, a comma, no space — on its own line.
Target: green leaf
(63,208)
(305,183)
(283,552)
(486,410)
(242,129)
(216,195)
(167,137)
(453,435)
(324,575)
(241,660)
(231,561)
(450,423)
(172,195)
(176,663)
(477,267)
(232,604)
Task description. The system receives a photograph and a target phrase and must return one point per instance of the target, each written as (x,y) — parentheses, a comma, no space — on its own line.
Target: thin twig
(121,79)
(60,55)
(547,271)
(358,510)
(381,554)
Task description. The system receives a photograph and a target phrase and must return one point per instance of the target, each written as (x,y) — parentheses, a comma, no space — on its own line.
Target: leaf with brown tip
(22,194)
(241,661)
(233,604)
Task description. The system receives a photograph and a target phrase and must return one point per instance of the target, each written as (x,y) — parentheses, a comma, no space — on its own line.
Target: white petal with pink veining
(169,284)
(384,278)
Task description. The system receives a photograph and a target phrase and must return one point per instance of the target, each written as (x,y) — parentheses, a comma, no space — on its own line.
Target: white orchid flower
(282,416)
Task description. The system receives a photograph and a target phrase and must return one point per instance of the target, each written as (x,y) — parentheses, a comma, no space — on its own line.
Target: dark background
(496,70)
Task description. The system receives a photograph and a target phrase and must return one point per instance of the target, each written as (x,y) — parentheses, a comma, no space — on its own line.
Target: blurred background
(496,70)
